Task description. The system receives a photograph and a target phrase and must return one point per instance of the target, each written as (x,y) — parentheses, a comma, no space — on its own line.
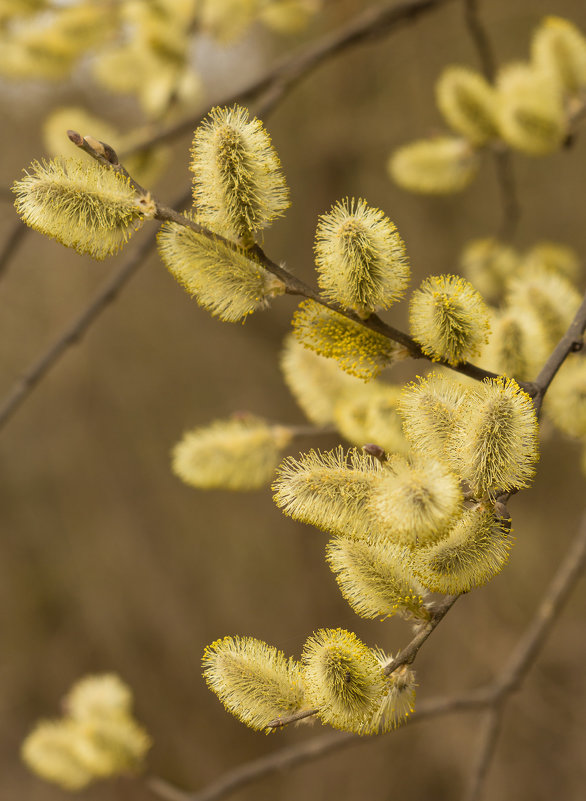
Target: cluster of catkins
(418,510)
(530,108)
(138,48)
(96,738)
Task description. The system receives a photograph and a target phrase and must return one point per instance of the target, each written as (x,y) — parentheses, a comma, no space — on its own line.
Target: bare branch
(503,162)
(370,25)
(489,738)
(492,696)
(15,236)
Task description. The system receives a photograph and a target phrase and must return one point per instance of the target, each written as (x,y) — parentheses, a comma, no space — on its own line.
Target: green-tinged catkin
(376,579)
(344,680)
(360,257)
(234,454)
(559,48)
(224,280)
(516,347)
(255,682)
(565,402)
(494,446)
(468,104)
(329,490)
(473,552)
(49,751)
(551,299)
(359,351)
(530,109)
(552,257)
(416,500)
(368,414)
(487,264)
(430,408)
(85,206)
(316,383)
(111,746)
(238,185)
(448,318)
(438,166)
(101,696)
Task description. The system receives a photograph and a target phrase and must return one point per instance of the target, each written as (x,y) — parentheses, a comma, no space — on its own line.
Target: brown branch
(489,738)
(503,162)
(370,25)
(491,696)
(571,342)
(15,236)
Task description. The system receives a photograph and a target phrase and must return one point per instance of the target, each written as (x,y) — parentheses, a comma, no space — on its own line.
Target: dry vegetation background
(109,563)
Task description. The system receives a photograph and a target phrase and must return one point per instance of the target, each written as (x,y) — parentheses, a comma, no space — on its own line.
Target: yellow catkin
(238,185)
(360,257)
(368,413)
(359,351)
(487,264)
(448,318)
(224,280)
(439,166)
(83,205)
(344,680)
(468,104)
(376,579)
(236,454)
(254,681)
(565,402)
(559,48)
(473,552)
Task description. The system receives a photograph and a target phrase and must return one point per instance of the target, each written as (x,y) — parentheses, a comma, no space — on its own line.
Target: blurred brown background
(109,563)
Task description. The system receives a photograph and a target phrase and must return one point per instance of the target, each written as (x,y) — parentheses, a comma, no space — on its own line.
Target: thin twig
(489,737)
(489,696)
(510,206)
(15,237)
(370,25)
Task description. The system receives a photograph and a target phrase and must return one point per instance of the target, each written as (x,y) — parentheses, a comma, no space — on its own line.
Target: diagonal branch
(491,697)
(370,25)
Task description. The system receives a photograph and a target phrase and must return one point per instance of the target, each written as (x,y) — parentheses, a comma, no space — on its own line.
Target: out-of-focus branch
(370,25)
(489,737)
(493,696)
(503,162)
(15,236)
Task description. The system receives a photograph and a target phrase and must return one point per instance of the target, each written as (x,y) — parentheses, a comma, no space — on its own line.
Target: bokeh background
(109,563)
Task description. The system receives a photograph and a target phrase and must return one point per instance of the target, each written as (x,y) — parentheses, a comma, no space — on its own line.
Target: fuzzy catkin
(85,206)
(359,351)
(448,318)
(360,257)
(468,104)
(225,280)
(559,48)
(472,553)
(439,166)
(376,579)
(254,681)
(368,413)
(344,680)
(494,446)
(329,490)
(238,186)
